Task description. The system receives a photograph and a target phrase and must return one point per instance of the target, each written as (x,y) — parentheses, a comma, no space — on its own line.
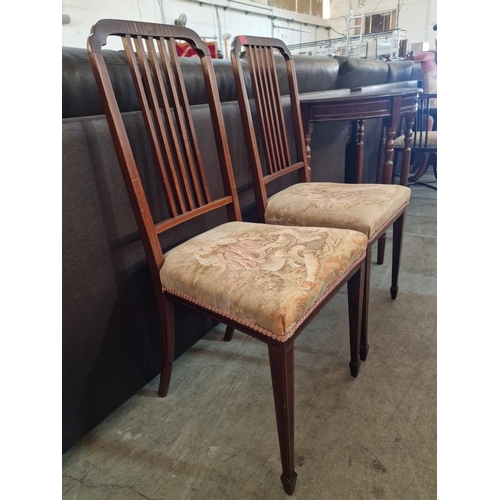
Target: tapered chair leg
(355,293)
(397,245)
(167,326)
(229,334)
(381,249)
(281,363)
(363,344)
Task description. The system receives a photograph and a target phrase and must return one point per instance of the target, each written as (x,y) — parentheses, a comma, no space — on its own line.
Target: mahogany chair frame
(259,53)
(153,60)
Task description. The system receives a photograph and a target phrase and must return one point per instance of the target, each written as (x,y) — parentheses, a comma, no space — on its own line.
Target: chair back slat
(270,112)
(189,182)
(180,153)
(157,75)
(260,56)
(185,119)
(153,122)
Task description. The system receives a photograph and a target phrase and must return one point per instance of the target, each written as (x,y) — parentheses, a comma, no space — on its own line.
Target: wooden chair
(424,144)
(266,281)
(369,208)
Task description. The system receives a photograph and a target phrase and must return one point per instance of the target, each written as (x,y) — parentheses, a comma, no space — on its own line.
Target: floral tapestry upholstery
(432,140)
(362,207)
(262,275)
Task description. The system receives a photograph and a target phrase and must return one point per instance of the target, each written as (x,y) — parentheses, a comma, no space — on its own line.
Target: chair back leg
(397,246)
(167,329)
(355,293)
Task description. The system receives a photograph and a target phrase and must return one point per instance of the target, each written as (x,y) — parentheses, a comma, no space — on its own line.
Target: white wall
(200,18)
(416,16)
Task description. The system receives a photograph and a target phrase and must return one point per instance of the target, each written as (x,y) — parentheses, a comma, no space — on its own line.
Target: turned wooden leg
(355,294)
(307,138)
(363,345)
(167,330)
(229,333)
(381,249)
(281,362)
(405,165)
(397,245)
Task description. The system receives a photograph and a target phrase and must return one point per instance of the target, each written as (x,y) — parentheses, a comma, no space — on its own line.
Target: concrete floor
(214,436)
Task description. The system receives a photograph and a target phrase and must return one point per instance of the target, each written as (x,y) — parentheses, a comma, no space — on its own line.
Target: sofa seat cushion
(261,275)
(432,140)
(362,207)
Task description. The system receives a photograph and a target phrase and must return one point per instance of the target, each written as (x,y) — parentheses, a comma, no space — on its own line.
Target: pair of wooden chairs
(270,279)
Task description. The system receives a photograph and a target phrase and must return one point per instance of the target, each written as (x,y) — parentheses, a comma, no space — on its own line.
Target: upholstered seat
(432,139)
(269,275)
(362,207)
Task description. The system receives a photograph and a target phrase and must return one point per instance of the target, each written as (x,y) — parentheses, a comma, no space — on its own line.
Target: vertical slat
(219,129)
(165,143)
(250,134)
(273,94)
(427,102)
(181,128)
(300,145)
(183,115)
(141,94)
(279,109)
(266,95)
(184,191)
(261,111)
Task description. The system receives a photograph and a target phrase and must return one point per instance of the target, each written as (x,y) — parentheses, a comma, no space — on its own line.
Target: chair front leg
(282,368)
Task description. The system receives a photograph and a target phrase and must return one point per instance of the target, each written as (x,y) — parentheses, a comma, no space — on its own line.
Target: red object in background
(427,60)
(185,50)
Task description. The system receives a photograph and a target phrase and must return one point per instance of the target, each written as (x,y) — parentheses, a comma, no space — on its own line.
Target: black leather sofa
(110,335)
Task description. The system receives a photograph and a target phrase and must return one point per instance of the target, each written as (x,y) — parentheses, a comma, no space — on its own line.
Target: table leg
(381,150)
(360,150)
(405,165)
(389,144)
(307,138)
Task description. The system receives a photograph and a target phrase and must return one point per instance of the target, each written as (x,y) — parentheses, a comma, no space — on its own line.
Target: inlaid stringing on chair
(369,208)
(266,281)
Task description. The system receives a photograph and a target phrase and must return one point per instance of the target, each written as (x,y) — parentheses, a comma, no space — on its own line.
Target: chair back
(425,127)
(260,54)
(157,75)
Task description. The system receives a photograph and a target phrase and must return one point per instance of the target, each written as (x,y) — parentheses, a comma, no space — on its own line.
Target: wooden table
(377,101)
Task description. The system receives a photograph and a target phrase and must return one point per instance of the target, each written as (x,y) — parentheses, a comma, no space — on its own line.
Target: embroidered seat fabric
(362,207)
(269,275)
(432,140)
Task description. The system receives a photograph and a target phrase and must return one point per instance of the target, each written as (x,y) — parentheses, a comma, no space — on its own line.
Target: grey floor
(214,436)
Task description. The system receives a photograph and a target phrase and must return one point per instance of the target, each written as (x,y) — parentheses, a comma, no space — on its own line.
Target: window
(311,7)
(377,23)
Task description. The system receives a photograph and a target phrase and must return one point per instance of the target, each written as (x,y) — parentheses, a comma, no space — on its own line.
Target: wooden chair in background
(266,281)
(369,208)
(424,144)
